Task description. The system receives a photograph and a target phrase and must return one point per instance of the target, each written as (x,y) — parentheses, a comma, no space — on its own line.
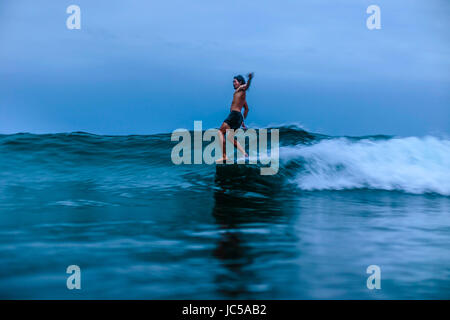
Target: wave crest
(415,165)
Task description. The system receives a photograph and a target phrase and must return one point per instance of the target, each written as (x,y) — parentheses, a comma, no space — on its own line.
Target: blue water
(141,227)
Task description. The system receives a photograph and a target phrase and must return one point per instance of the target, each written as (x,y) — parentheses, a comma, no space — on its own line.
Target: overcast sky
(141,67)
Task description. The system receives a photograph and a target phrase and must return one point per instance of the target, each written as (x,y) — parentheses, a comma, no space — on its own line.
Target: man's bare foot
(221,160)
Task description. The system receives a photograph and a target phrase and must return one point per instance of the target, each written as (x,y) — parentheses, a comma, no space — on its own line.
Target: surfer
(235,120)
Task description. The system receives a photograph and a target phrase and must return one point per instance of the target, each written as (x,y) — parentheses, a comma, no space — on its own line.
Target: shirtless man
(234,119)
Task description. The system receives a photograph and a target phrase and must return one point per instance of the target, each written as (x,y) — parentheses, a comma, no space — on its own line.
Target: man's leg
(222,132)
(236,143)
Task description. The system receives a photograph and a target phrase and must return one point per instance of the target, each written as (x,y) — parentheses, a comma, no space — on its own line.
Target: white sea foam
(415,165)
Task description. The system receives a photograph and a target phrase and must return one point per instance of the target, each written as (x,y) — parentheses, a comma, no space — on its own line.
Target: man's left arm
(245,110)
(245,114)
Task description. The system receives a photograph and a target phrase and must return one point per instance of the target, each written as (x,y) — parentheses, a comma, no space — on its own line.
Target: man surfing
(235,119)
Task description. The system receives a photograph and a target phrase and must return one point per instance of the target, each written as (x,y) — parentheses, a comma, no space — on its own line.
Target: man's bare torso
(238,100)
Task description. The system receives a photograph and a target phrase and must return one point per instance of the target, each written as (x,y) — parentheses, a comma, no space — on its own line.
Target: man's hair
(240,79)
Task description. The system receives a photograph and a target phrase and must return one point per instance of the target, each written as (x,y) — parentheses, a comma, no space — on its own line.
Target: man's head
(238,81)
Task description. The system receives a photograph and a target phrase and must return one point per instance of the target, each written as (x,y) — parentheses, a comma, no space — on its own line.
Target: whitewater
(411,164)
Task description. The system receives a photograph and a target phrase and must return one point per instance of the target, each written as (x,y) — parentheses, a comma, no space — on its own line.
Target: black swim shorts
(234,120)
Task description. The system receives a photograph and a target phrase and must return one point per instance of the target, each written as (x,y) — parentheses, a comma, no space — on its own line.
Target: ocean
(140,227)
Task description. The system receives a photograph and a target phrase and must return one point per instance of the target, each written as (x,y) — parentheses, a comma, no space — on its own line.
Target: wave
(309,161)
(412,164)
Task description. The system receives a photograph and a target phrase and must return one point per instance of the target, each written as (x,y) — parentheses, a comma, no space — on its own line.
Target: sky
(144,67)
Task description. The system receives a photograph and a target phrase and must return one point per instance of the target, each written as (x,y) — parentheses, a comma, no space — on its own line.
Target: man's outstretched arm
(247,85)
